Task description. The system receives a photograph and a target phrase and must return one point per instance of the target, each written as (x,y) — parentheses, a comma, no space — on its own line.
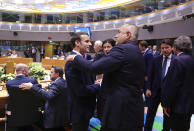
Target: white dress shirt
(168,62)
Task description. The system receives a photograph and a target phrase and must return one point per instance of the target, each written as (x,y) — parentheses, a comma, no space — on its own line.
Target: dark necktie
(164,67)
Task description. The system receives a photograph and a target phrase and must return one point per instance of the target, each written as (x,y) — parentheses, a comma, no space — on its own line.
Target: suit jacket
(148,57)
(42,51)
(178,93)
(34,52)
(124,72)
(157,53)
(55,114)
(83,92)
(27,53)
(99,54)
(22,104)
(155,81)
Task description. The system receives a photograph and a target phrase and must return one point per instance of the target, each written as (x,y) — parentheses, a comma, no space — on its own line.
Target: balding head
(127,33)
(22,69)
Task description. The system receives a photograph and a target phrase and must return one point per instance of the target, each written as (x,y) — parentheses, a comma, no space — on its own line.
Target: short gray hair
(98,42)
(184,44)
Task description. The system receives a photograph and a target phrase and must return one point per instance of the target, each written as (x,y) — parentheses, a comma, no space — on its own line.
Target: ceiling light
(39,1)
(18,1)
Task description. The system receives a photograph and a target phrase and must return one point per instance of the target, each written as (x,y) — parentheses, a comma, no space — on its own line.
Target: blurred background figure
(33,53)
(59,51)
(155,51)
(98,50)
(13,55)
(42,52)
(27,53)
(9,52)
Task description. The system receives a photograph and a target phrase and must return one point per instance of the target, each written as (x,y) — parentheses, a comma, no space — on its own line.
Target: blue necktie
(164,67)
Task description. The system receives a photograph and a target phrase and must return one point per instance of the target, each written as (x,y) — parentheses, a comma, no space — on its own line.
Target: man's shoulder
(10,82)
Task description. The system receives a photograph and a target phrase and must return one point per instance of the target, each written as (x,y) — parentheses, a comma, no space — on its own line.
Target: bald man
(23,106)
(124,71)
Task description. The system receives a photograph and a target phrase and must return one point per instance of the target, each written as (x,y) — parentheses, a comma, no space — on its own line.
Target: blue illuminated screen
(83,29)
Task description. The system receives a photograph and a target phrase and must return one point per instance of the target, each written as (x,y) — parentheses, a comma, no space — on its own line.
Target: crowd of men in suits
(128,71)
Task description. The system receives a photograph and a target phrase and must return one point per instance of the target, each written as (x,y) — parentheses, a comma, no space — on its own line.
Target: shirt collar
(77,53)
(179,53)
(169,57)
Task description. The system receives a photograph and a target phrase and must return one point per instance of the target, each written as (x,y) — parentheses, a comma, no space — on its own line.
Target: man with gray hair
(178,89)
(124,70)
(98,50)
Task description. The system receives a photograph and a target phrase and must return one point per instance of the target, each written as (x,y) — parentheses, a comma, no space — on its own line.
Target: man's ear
(77,43)
(129,34)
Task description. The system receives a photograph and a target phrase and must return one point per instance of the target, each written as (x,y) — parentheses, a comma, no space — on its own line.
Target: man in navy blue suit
(155,82)
(148,57)
(22,111)
(178,93)
(124,71)
(55,111)
(83,89)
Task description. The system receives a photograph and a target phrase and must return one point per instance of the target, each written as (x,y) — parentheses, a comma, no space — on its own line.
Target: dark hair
(143,43)
(77,37)
(59,70)
(111,41)
(167,41)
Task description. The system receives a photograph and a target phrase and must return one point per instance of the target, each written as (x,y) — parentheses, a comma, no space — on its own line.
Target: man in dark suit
(159,70)
(98,50)
(55,111)
(42,52)
(83,89)
(178,93)
(148,57)
(33,53)
(23,106)
(27,52)
(155,51)
(124,71)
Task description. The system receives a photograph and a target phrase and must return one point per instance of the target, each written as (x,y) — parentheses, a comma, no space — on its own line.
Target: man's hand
(70,58)
(99,81)
(167,111)
(26,86)
(148,93)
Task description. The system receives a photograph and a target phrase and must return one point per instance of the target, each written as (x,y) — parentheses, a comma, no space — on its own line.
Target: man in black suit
(55,111)
(23,106)
(148,57)
(159,70)
(178,93)
(42,52)
(124,71)
(27,52)
(83,89)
